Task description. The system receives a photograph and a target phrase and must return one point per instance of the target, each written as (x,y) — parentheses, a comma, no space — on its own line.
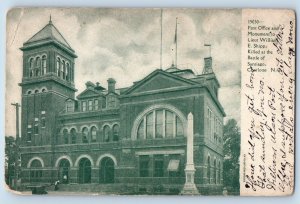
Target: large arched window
(36,172)
(94,133)
(58,66)
(208,169)
(160,123)
(116,132)
(44,64)
(73,136)
(66,136)
(85,133)
(106,131)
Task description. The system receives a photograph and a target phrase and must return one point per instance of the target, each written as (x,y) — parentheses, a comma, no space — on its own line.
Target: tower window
(44,64)
(58,66)
(63,70)
(68,72)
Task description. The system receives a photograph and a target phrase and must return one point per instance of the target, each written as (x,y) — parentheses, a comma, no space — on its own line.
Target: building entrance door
(85,169)
(63,173)
(107,171)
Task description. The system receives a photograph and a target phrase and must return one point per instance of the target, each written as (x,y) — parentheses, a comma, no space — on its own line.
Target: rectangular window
(29,132)
(144,165)
(83,105)
(169,124)
(159,124)
(43,122)
(96,103)
(158,166)
(70,106)
(90,105)
(36,128)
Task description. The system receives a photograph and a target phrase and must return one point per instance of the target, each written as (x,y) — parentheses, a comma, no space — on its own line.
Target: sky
(125,44)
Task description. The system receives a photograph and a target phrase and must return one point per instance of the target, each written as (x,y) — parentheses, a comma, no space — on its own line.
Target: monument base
(189,187)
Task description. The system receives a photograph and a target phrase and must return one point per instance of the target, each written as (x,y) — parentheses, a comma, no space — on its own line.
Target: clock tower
(48,80)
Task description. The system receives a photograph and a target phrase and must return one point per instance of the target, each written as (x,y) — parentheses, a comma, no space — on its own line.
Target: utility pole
(17,155)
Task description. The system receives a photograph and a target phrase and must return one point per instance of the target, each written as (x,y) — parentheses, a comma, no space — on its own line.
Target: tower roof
(46,34)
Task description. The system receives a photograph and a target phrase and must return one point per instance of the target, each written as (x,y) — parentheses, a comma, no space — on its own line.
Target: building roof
(49,32)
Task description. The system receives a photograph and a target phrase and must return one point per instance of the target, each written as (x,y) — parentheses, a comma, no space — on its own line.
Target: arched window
(44,64)
(63,70)
(58,66)
(67,71)
(73,135)
(94,133)
(106,131)
(36,91)
(116,129)
(31,61)
(85,133)
(66,136)
(36,172)
(38,62)
(160,123)
(29,92)
(208,169)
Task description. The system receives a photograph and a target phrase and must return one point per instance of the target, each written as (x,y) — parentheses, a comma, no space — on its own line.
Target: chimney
(111,85)
(207,65)
(89,84)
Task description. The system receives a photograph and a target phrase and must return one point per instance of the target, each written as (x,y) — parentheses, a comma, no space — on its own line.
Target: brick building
(130,139)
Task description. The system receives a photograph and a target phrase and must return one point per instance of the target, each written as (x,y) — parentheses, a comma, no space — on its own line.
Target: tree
(232,146)
(10,159)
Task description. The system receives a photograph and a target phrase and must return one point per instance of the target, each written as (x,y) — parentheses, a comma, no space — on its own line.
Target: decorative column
(189,186)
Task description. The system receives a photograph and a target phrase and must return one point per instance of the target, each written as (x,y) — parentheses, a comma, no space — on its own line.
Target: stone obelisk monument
(189,186)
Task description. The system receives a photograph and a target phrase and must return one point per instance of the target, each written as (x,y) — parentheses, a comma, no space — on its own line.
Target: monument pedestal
(189,187)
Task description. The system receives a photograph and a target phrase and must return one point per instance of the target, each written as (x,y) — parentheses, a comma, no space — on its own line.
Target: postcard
(150,101)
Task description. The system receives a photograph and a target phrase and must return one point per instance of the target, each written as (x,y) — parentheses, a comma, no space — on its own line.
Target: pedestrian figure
(65,178)
(56,185)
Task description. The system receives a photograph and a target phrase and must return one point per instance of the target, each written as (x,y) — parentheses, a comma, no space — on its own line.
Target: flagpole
(176,44)
(161,16)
